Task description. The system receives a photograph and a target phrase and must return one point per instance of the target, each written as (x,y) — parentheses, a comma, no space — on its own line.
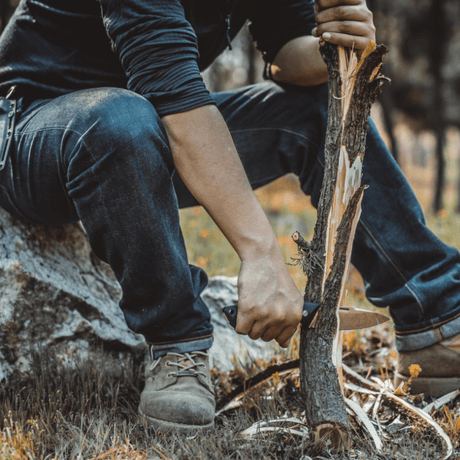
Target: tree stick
(354,84)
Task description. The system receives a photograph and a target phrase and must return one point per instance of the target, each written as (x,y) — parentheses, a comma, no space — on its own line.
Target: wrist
(252,248)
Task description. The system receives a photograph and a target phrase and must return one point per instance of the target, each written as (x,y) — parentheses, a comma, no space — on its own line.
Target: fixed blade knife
(350,318)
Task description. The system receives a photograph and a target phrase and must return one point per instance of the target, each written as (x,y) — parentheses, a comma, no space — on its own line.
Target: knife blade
(350,318)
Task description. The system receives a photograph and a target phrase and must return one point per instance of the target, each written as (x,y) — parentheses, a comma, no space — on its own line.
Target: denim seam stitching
(437,325)
(276,129)
(388,258)
(49,128)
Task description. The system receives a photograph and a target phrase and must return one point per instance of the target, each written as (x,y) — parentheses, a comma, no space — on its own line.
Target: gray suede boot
(178,393)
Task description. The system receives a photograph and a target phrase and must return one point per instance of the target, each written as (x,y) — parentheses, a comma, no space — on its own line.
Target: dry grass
(84,413)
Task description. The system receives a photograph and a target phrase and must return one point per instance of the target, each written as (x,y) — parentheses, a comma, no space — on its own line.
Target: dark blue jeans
(101,156)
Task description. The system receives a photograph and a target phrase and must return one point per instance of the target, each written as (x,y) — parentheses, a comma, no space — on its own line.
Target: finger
(285,337)
(350,41)
(258,330)
(268,330)
(356,29)
(344,13)
(270,334)
(244,323)
(325,4)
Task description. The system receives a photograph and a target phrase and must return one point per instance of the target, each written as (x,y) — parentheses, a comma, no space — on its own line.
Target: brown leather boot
(440,365)
(178,393)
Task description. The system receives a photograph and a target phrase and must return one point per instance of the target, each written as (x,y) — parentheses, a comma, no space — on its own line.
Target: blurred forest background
(418,114)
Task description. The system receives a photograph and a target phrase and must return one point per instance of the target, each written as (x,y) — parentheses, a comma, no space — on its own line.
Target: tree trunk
(438,204)
(353,87)
(437,111)
(457,206)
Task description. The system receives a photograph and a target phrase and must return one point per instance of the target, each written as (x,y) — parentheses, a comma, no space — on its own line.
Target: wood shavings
(289,425)
(364,419)
(352,387)
(446,399)
(418,415)
(369,404)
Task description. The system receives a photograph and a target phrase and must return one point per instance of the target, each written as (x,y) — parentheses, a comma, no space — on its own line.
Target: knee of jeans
(121,123)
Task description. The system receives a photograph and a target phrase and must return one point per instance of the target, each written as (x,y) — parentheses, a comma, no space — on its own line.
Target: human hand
(344,22)
(270,305)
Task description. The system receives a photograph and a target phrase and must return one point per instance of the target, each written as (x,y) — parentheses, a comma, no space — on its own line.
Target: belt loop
(10,123)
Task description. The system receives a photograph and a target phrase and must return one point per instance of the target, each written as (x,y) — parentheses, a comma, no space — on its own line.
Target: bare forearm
(206,159)
(299,62)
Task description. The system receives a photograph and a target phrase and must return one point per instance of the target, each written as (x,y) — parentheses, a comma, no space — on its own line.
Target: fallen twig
(229,401)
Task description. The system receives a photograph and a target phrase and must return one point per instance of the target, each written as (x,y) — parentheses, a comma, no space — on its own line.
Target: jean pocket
(7,204)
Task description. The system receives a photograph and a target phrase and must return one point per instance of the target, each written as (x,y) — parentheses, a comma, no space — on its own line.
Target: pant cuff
(417,341)
(157,351)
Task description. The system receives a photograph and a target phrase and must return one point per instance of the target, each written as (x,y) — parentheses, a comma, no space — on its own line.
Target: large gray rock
(55,295)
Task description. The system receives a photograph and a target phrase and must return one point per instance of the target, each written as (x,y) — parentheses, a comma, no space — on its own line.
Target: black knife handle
(231,312)
(309,312)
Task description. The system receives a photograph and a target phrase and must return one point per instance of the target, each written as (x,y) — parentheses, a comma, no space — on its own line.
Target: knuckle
(247,308)
(280,317)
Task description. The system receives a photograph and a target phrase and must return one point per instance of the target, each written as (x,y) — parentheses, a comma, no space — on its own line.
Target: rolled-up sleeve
(273,23)
(158,50)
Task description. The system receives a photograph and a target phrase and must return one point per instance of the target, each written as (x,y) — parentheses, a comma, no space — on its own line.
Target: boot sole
(171,426)
(430,386)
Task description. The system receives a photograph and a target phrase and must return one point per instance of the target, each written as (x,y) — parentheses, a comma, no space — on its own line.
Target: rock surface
(55,295)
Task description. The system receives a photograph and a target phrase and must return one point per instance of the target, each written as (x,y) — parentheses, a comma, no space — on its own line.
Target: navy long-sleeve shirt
(155,48)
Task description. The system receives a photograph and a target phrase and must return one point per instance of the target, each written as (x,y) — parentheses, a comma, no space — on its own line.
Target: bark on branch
(354,85)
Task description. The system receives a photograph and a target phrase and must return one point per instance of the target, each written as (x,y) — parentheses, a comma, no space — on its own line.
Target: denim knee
(118,123)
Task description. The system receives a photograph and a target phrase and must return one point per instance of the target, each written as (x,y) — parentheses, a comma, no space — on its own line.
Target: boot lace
(186,364)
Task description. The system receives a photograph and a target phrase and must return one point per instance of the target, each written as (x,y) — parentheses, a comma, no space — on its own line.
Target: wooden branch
(353,86)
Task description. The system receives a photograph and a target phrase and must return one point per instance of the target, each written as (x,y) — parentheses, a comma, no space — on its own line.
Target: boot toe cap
(183,409)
